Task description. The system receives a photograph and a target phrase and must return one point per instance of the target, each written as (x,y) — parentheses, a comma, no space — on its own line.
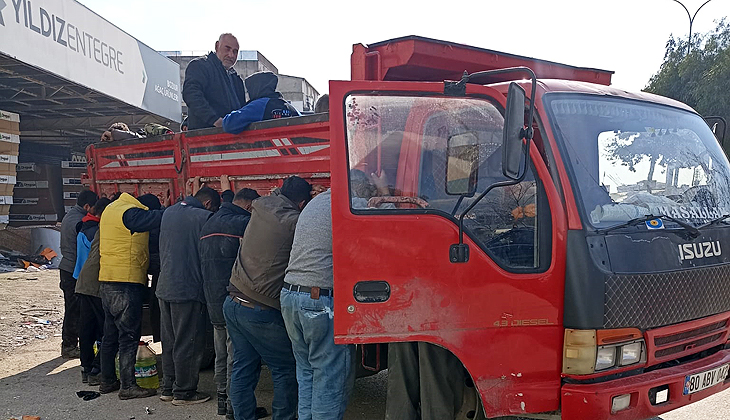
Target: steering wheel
(700,194)
(376,202)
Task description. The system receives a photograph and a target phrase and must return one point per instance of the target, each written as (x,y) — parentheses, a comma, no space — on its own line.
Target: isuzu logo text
(699,250)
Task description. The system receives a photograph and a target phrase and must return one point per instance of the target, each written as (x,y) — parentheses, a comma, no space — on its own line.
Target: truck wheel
(471,407)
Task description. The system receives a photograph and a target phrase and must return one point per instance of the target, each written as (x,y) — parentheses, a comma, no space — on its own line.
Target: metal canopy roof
(55,110)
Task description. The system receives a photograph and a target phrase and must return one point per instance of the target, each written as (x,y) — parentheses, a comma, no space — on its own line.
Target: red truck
(563,238)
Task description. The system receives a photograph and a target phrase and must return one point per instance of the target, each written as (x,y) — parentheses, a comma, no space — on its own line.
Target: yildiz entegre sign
(65,38)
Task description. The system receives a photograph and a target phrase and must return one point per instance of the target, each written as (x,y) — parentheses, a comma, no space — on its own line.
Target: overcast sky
(313,39)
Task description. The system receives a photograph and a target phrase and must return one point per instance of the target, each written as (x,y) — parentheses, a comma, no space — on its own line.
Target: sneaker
(199,397)
(136,392)
(105,388)
(222,398)
(70,352)
(84,377)
(165,396)
(94,380)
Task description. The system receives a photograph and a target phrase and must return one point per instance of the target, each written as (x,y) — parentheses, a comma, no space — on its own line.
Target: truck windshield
(632,159)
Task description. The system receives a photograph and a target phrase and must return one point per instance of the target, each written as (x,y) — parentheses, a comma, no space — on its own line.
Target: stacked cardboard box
(71,171)
(38,196)
(9,145)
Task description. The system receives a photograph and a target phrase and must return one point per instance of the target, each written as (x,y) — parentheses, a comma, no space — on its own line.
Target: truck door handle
(373,291)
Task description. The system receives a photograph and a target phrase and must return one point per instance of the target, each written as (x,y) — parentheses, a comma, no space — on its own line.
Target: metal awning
(70,73)
(58,111)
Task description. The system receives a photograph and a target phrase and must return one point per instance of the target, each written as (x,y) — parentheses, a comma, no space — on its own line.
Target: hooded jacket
(210,91)
(264,103)
(181,279)
(264,253)
(219,242)
(87,228)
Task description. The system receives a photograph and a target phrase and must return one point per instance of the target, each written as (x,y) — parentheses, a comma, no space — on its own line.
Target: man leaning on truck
(212,88)
(252,309)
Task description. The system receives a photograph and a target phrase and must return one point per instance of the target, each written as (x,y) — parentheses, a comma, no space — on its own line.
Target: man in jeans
(251,310)
(219,241)
(182,300)
(325,370)
(123,261)
(70,330)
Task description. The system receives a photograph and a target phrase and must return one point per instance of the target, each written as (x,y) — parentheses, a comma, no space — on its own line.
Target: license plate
(703,380)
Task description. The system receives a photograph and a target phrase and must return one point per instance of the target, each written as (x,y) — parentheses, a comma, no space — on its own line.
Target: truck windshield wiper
(693,231)
(714,221)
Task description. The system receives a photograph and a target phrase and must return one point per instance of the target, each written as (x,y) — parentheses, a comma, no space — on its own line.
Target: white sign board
(66,38)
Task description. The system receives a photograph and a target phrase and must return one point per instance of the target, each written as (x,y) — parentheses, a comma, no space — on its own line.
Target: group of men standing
(259,267)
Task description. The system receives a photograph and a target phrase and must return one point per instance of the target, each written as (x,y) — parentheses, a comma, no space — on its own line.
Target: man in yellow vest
(124,258)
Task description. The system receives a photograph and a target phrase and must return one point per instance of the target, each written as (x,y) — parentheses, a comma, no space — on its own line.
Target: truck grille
(678,341)
(653,300)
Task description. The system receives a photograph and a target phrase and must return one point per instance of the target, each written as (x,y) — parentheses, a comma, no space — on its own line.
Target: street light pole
(691,21)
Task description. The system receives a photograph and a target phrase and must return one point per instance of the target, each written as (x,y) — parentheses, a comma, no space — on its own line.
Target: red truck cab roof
(415,58)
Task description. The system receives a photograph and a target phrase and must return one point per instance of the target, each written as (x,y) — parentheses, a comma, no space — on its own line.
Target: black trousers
(91,330)
(71,313)
(154,307)
(122,303)
(183,344)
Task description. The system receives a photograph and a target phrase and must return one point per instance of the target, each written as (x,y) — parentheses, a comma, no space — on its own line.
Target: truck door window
(400,162)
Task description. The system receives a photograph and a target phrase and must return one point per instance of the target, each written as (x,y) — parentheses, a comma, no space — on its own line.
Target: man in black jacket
(219,243)
(182,300)
(212,88)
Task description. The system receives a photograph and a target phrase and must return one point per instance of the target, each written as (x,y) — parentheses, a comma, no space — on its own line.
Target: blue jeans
(325,370)
(256,334)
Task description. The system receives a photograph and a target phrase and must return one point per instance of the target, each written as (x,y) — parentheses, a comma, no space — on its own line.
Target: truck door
(406,161)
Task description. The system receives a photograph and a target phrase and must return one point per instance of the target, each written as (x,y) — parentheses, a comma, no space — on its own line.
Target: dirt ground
(31,312)
(34,380)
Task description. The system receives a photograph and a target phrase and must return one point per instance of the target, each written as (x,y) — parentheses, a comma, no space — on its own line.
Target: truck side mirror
(514,132)
(463,164)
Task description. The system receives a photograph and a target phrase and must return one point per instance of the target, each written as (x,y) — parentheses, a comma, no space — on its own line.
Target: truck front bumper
(594,401)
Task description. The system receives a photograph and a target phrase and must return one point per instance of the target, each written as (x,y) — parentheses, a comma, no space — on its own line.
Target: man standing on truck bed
(212,88)
(70,330)
(252,310)
(182,300)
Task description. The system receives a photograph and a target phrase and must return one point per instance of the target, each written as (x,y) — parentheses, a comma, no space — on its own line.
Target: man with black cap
(264,103)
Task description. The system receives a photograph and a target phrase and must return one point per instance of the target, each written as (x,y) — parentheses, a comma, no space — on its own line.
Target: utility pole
(691,21)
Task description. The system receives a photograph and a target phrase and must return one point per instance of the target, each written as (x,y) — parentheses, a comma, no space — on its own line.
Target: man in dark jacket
(182,300)
(152,202)
(70,329)
(219,243)
(212,88)
(252,310)
(264,103)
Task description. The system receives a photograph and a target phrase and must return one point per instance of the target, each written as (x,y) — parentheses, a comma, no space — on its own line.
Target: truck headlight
(605,357)
(631,353)
(589,351)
